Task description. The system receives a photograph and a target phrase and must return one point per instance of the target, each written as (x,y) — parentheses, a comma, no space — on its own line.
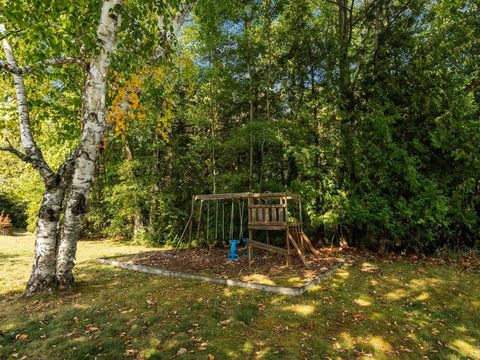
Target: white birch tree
(65,197)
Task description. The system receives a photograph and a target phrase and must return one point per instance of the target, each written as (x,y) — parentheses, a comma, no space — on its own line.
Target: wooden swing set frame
(266,212)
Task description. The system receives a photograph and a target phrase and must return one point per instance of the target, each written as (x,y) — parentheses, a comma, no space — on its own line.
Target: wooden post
(199,219)
(249,247)
(287,240)
(190,226)
(250,232)
(299,252)
(300,210)
(289,261)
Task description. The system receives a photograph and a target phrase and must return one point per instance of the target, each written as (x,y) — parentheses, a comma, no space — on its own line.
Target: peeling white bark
(56,241)
(93,130)
(43,272)
(44,266)
(169,32)
(33,153)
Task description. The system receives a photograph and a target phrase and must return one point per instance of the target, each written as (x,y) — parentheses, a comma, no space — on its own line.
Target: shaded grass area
(374,309)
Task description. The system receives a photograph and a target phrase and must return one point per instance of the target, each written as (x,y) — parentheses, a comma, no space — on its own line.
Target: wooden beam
(199,220)
(245,195)
(289,257)
(265,206)
(249,247)
(262,226)
(299,252)
(190,225)
(310,245)
(272,248)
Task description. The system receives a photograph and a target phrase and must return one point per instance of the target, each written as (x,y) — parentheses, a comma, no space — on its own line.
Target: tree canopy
(368,109)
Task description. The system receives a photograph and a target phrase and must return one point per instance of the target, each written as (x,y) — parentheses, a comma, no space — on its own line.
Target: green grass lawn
(397,310)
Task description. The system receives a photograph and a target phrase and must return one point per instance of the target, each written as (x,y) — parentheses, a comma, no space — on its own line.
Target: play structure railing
(267,216)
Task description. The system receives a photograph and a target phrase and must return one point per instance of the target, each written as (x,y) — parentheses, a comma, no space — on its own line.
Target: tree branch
(339,5)
(50,62)
(4,36)
(32,151)
(169,32)
(16,152)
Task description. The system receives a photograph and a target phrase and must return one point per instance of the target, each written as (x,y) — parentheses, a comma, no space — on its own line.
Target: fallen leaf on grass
(181,351)
(91,328)
(126,311)
(131,352)
(358,317)
(21,337)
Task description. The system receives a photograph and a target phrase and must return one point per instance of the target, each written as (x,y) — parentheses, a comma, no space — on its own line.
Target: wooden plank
(190,226)
(199,220)
(289,256)
(224,196)
(267,227)
(299,252)
(272,248)
(260,222)
(184,231)
(266,206)
(245,195)
(249,247)
(310,245)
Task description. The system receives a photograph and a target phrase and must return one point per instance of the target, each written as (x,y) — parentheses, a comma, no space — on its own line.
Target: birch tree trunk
(93,118)
(66,191)
(43,272)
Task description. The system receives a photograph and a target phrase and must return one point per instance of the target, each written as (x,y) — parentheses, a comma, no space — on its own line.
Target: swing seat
(232,256)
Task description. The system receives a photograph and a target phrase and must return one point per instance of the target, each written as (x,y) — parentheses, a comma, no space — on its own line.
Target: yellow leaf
(22,337)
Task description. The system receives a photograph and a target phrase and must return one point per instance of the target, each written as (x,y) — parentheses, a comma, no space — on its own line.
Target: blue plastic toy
(233,250)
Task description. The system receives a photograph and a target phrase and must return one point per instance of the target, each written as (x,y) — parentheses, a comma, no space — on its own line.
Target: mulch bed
(269,265)
(272,267)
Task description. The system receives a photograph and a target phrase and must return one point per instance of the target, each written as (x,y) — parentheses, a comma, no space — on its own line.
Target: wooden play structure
(269,212)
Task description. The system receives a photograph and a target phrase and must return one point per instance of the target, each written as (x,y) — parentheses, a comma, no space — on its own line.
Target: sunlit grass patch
(364,300)
(466,348)
(301,309)
(258,279)
(392,312)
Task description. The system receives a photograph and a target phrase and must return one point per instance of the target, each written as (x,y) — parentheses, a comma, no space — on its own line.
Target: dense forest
(368,109)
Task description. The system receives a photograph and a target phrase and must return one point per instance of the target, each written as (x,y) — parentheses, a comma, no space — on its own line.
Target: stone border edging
(293,291)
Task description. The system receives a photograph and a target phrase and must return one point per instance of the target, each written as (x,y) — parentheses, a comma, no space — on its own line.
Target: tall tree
(64,201)
(56,242)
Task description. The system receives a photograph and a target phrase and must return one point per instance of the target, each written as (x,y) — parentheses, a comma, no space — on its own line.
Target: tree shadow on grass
(6,257)
(392,312)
